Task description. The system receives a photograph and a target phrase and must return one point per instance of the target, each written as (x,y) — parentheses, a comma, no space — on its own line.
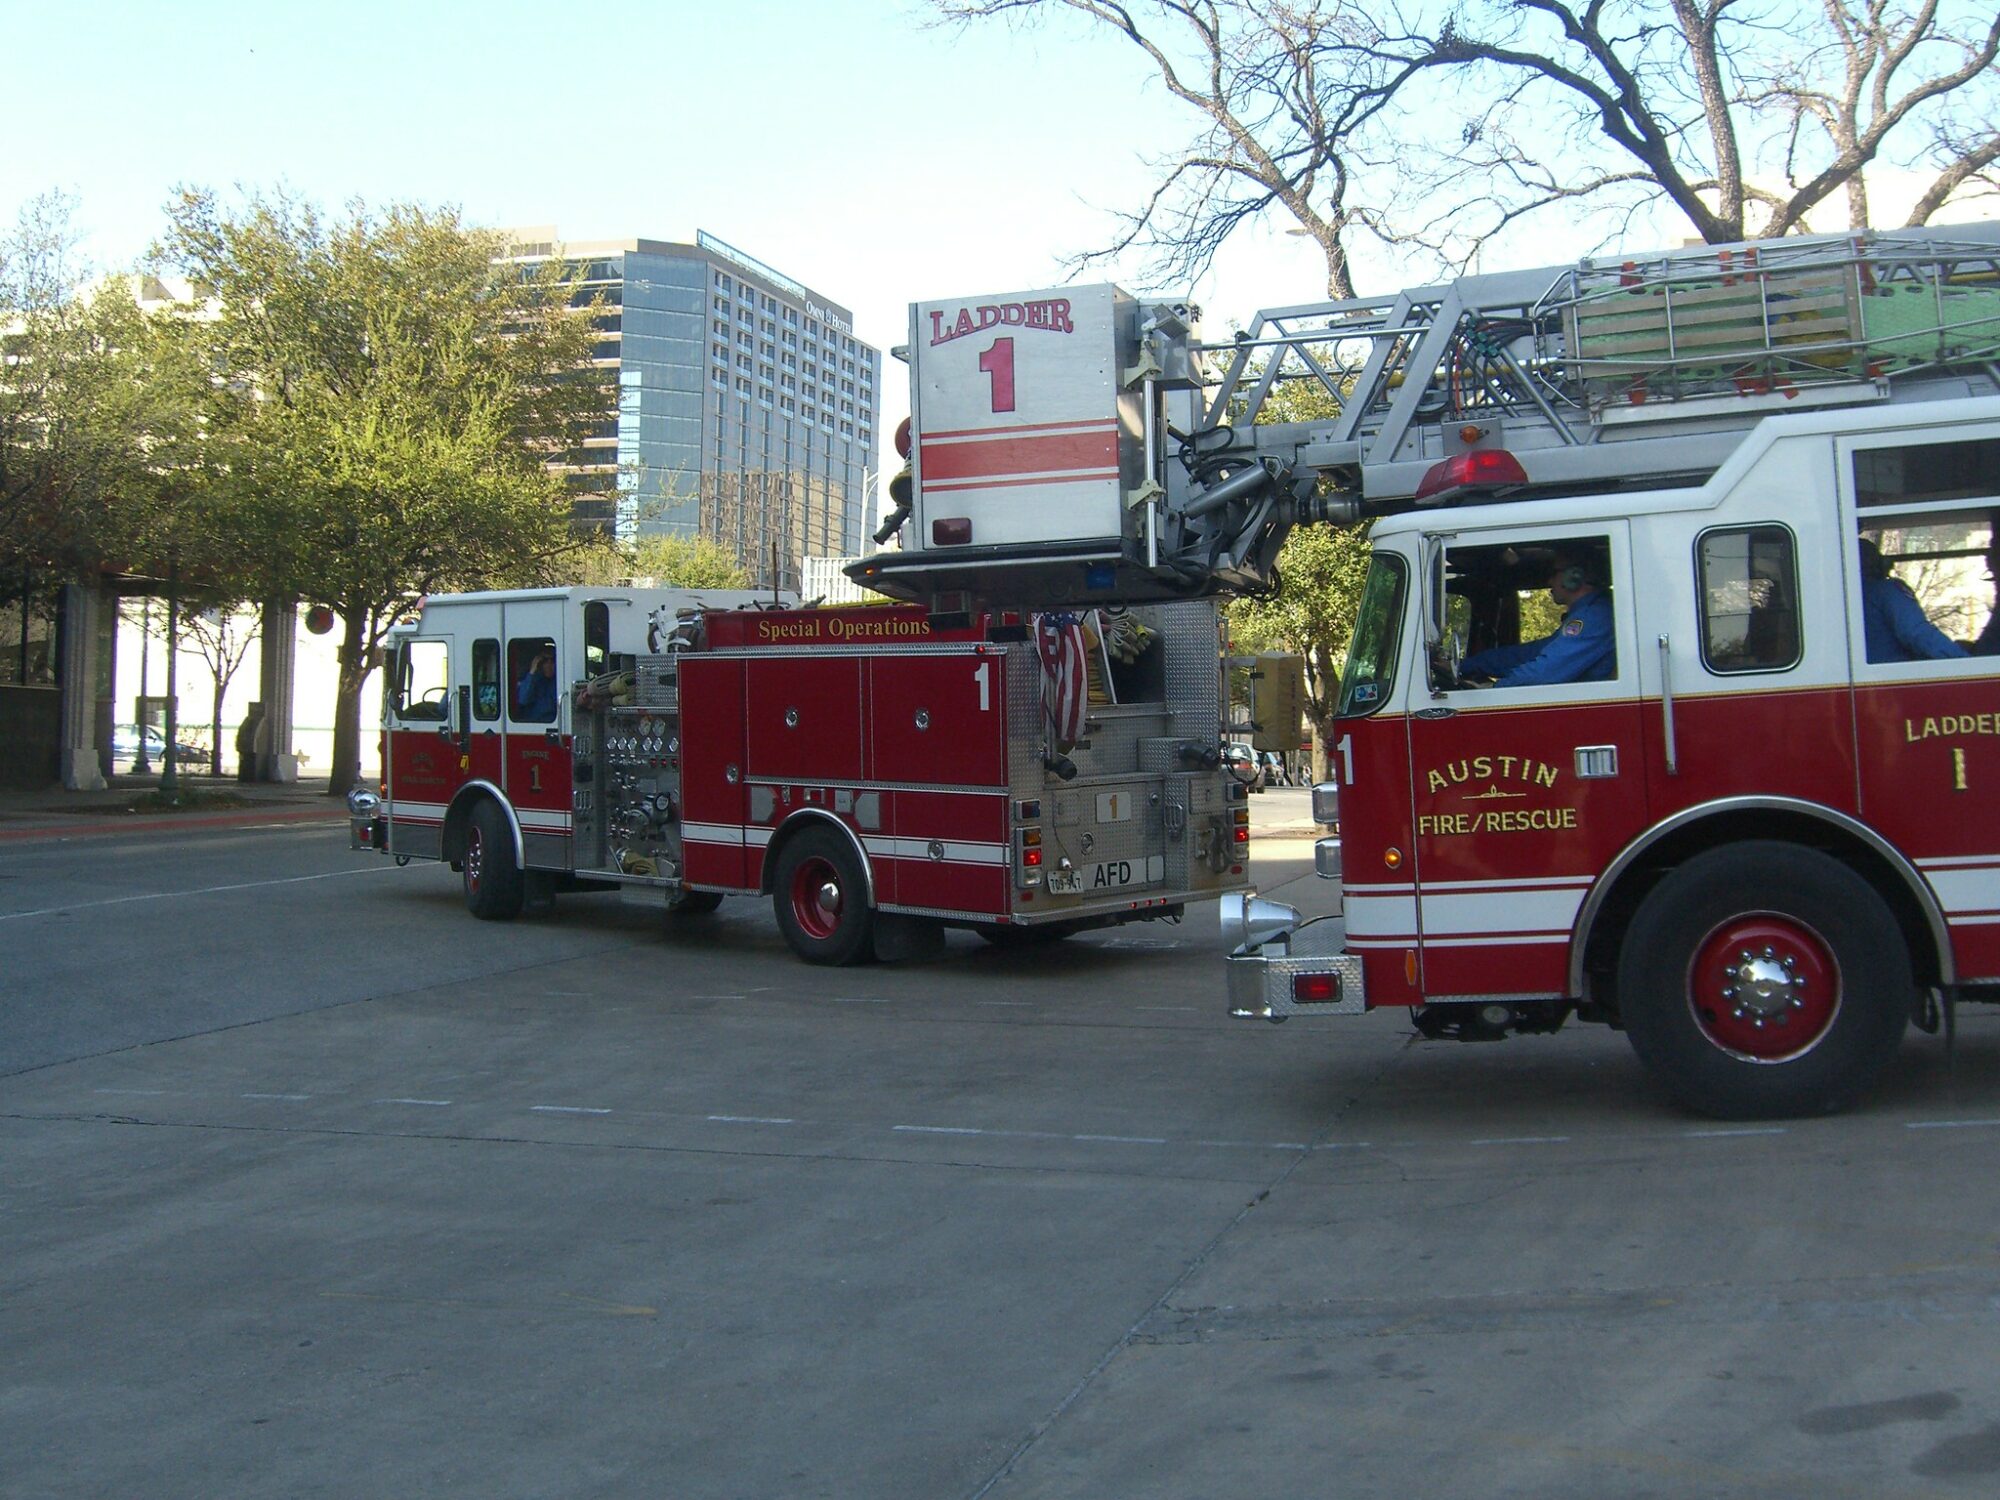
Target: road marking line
(939,1129)
(207,890)
(1252,1145)
(1948,1124)
(566,1109)
(858,999)
(1010,1004)
(274,1096)
(1125,1140)
(751,1120)
(1715,1135)
(128,1091)
(1519,1140)
(430,1103)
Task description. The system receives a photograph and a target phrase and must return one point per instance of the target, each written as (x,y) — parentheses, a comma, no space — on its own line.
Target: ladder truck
(1740,803)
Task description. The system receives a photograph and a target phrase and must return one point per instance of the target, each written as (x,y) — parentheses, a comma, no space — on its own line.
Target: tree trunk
(345,769)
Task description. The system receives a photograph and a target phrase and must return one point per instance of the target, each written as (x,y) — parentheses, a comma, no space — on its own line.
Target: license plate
(1106,875)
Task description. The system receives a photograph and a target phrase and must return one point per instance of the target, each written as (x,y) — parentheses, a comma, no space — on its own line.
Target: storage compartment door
(938,720)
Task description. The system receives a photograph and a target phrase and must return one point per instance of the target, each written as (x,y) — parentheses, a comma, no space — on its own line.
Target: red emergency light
(1476,469)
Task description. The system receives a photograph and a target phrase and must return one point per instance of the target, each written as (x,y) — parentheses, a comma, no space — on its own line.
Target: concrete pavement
(51,812)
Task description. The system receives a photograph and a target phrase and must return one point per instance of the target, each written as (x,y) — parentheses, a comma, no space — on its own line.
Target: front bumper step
(1263,983)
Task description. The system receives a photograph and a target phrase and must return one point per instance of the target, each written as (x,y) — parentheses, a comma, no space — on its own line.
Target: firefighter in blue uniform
(1584,647)
(1988,642)
(1894,626)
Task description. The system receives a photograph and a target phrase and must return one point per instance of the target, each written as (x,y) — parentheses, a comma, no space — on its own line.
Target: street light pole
(142,763)
(170,782)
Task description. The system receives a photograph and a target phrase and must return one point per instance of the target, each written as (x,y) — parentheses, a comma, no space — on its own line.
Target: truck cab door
(1522,790)
(535,769)
(424,767)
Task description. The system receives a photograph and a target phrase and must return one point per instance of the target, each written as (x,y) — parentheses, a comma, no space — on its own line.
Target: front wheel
(494,889)
(1762,981)
(820,891)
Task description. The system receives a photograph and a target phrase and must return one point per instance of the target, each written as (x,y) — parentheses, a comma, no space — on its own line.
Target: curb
(109,824)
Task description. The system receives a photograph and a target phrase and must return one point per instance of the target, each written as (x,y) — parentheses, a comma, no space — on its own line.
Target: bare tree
(1286,92)
(224,637)
(1446,123)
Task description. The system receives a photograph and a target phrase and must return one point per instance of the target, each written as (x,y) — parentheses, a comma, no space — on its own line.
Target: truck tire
(494,889)
(1763,981)
(820,892)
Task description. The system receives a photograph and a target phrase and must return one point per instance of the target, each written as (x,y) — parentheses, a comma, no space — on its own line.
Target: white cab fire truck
(1743,803)
(881,772)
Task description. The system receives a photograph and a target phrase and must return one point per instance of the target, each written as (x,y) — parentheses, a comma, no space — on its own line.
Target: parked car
(1243,764)
(125,748)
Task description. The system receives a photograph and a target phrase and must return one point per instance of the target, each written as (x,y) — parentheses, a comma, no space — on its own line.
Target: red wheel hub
(1765,987)
(817,897)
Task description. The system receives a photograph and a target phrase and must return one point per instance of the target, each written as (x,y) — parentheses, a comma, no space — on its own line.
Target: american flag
(1065,678)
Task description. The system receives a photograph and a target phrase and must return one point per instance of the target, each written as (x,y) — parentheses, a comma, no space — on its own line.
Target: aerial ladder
(1084,445)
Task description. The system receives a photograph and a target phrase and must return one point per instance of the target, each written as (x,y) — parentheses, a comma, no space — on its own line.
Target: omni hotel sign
(814,309)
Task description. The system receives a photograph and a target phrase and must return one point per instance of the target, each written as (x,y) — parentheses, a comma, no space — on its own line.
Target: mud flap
(901,939)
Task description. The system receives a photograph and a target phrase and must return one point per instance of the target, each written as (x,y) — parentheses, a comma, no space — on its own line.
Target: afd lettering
(1051,315)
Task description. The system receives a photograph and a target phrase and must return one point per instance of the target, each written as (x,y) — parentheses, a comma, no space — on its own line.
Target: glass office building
(746,406)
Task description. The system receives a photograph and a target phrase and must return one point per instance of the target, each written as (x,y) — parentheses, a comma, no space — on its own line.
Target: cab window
(1926,562)
(1370,675)
(596,638)
(1530,612)
(1749,599)
(486,679)
(423,680)
(533,672)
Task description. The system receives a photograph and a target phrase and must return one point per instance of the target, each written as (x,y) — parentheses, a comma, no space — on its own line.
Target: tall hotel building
(746,406)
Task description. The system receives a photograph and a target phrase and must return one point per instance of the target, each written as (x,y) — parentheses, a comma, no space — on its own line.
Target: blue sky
(847,143)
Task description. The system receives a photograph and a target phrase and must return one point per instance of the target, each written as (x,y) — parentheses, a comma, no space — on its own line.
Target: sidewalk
(50,812)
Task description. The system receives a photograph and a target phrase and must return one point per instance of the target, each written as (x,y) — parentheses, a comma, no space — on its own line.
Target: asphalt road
(311,1185)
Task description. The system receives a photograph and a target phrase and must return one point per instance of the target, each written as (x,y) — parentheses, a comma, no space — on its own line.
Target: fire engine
(881,772)
(1733,811)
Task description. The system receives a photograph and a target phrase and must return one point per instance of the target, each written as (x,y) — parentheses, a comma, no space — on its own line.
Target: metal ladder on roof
(1617,370)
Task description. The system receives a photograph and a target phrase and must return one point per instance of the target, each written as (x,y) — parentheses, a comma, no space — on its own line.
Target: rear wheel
(494,889)
(820,891)
(1762,980)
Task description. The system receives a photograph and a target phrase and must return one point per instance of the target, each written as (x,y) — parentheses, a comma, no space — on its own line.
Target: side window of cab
(1528,612)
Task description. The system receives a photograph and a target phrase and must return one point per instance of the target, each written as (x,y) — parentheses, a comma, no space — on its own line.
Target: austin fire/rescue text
(1490,767)
(1052,314)
(1504,820)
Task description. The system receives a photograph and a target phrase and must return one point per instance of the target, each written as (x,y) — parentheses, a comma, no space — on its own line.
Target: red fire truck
(881,772)
(1743,807)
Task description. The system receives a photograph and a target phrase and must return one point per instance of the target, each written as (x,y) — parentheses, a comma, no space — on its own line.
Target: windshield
(1371,658)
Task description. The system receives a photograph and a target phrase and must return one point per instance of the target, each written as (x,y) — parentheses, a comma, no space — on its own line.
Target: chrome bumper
(1263,980)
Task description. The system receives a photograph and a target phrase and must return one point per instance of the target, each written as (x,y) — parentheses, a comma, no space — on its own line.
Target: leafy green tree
(397,396)
(66,402)
(668,561)
(687,562)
